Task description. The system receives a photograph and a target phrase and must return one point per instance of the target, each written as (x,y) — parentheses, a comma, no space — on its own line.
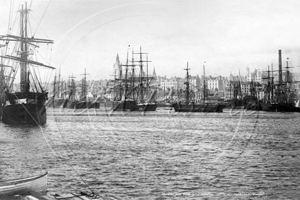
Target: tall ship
(240,101)
(57,98)
(133,92)
(279,97)
(65,95)
(85,97)
(71,99)
(24,102)
(190,106)
(124,86)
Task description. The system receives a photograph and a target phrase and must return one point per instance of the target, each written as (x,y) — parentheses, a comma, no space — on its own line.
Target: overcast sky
(227,35)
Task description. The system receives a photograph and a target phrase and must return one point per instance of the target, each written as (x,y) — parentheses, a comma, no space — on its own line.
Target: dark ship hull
(279,107)
(296,109)
(69,104)
(132,105)
(207,107)
(126,105)
(253,106)
(147,106)
(65,103)
(236,104)
(86,105)
(31,114)
(164,105)
(56,103)
(248,103)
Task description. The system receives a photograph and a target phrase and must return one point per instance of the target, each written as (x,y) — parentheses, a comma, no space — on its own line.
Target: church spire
(117,68)
(117,59)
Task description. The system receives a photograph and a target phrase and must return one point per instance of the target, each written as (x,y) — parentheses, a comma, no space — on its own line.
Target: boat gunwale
(13,182)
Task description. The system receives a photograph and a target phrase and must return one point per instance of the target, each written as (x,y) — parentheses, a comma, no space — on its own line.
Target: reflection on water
(160,155)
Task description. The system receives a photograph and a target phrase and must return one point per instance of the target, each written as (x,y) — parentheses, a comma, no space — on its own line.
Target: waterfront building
(215,83)
(194,82)
(255,76)
(296,85)
(177,83)
(169,83)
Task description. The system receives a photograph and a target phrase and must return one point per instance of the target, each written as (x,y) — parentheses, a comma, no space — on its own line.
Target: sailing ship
(65,96)
(71,99)
(58,94)
(85,102)
(279,97)
(236,102)
(165,100)
(190,106)
(240,101)
(26,106)
(132,92)
(124,88)
(145,94)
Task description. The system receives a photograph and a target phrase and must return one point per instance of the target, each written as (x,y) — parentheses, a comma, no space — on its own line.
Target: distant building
(177,83)
(215,83)
(255,76)
(169,83)
(194,82)
(236,87)
(296,85)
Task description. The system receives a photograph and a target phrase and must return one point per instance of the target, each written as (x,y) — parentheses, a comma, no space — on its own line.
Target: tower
(249,78)
(117,68)
(154,73)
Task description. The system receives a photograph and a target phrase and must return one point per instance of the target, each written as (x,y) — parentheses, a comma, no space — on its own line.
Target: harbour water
(160,155)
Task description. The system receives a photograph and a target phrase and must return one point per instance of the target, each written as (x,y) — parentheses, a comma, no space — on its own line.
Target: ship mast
(269,86)
(287,71)
(54,85)
(24,85)
(204,86)
(280,67)
(24,51)
(187,92)
(72,88)
(132,74)
(84,86)
(126,79)
(126,76)
(142,78)
(269,91)
(288,84)
(279,86)
(272,84)
(59,85)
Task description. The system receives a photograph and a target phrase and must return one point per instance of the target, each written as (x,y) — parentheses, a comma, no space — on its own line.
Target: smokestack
(280,68)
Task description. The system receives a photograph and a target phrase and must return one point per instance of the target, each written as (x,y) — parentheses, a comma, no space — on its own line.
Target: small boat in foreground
(24,186)
(35,188)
